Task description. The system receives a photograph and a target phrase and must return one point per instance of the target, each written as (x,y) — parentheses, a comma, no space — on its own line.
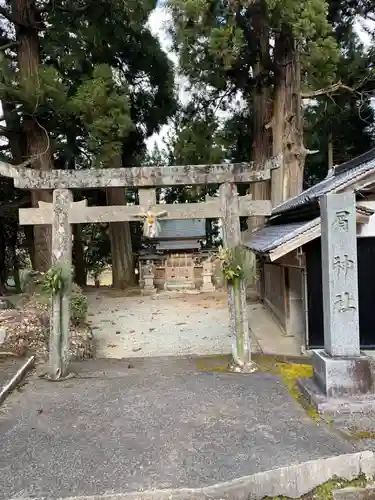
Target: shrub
(78,305)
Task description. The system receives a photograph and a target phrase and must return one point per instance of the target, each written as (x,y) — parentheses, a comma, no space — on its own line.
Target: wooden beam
(81,214)
(187,175)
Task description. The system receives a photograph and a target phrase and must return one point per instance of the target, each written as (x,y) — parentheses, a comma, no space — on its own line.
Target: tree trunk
(29,244)
(121,245)
(37,144)
(3,270)
(262,137)
(37,139)
(287,124)
(80,273)
(17,148)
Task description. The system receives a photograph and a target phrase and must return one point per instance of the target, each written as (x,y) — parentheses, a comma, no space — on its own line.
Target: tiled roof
(342,174)
(182,228)
(270,237)
(273,236)
(178,245)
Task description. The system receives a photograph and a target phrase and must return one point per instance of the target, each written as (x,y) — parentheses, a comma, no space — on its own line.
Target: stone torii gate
(63,212)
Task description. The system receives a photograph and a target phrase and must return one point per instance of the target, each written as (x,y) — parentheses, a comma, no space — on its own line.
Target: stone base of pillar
(249,367)
(343,384)
(178,285)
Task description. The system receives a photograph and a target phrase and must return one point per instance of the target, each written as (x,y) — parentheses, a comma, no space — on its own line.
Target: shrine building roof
(341,176)
(297,221)
(177,229)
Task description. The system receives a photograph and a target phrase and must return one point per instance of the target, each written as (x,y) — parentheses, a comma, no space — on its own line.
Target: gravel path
(161,325)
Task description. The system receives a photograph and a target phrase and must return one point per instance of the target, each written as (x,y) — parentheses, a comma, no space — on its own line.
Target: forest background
(114,83)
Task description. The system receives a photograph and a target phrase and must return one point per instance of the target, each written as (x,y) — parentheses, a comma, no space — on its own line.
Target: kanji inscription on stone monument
(343,264)
(345,302)
(339,274)
(341,220)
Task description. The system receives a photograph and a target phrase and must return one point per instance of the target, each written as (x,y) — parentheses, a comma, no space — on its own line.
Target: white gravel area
(161,325)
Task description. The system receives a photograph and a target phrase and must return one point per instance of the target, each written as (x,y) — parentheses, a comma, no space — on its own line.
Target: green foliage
(236,136)
(78,306)
(219,42)
(102,81)
(99,87)
(53,284)
(103,107)
(237,263)
(346,117)
(56,280)
(97,247)
(194,139)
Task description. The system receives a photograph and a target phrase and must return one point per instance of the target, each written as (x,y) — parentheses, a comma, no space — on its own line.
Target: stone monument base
(343,384)
(177,285)
(149,291)
(207,288)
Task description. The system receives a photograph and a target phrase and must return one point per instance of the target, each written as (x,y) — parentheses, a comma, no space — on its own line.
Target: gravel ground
(161,325)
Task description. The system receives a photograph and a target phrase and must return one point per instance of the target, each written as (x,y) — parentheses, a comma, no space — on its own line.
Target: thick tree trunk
(121,245)
(17,148)
(262,137)
(3,270)
(37,140)
(287,124)
(38,145)
(80,273)
(29,243)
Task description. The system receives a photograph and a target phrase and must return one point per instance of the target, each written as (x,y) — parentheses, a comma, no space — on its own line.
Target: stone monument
(207,285)
(149,276)
(342,374)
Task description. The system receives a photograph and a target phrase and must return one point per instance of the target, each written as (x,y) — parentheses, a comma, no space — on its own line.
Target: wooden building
(288,249)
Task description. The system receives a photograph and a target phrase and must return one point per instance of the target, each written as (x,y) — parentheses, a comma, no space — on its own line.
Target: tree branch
(336,87)
(323,91)
(9,45)
(309,151)
(73,10)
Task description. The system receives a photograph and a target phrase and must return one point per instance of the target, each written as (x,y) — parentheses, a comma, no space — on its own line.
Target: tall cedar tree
(82,83)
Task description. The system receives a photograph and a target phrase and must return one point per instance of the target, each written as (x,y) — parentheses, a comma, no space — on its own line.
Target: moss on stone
(216,363)
(362,435)
(324,491)
(290,373)
(287,371)
(220,363)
